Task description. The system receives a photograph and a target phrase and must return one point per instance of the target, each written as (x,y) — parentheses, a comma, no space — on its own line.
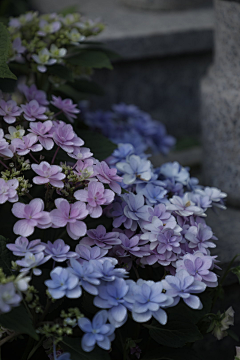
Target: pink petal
(23,228)
(18,210)
(77,229)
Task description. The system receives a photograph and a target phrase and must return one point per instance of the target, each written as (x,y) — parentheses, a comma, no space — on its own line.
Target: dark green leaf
(70,92)
(5,44)
(7,85)
(87,87)
(73,346)
(233,335)
(176,333)
(164,353)
(91,58)
(5,256)
(99,144)
(19,320)
(61,71)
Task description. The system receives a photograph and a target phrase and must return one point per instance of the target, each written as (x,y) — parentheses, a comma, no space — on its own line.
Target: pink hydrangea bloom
(9,110)
(4,147)
(32,216)
(67,107)
(95,196)
(85,168)
(48,174)
(65,137)
(70,215)
(8,190)
(33,111)
(42,131)
(26,144)
(32,93)
(81,153)
(108,176)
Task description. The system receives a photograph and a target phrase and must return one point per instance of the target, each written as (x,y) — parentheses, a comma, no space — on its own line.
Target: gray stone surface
(190,157)
(221,106)
(166,4)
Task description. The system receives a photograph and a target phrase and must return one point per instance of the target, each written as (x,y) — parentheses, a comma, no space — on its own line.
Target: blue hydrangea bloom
(174,171)
(183,285)
(148,300)
(63,283)
(59,251)
(8,297)
(120,153)
(108,271)
(154,194)
(135,168)
(135,208)
(96,332)
(111,296)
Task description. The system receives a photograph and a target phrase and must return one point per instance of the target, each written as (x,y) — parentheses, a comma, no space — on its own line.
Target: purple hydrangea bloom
(70,215)
(96,332)
(8,190)
(199,265)
(84,169)
(59,251)
(4,147)
(9,110)
(95,196)
(184,206)
(87,253)
(81,153)
(108,176)
(135,168)
(132,246)
(135,209)
(23,246)
(68,108)
(32,216)
(111,296)
(148,300)
(88,275)
(32,261)
(116,210)
(183,285)
(42,131)
(65,137)
(63,283)
(32,93)
(8,297)
(201,201)
(48,174)
(199,236)
(33,111)
(101,238)
(120,154)
(108,270)
(173,187)
(154,194)
(215,195)
(26,144)
(174,171)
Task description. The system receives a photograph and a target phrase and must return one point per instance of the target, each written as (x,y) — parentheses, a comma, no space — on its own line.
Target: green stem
(28,348)
(35,348)
(9,337)
(228,269)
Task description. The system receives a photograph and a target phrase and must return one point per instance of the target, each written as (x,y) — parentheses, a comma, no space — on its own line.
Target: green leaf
(233,335)
(98,144)
(5,43)
(73,346)
(68,10)
(164,353)
(61,71)
(19,320)
(176,333)
(91,58)
(87,87)
(5,256)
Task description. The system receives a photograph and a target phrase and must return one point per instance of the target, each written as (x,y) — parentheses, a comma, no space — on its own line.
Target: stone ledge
(135,33)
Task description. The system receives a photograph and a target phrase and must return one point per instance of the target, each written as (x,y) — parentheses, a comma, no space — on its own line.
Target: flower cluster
(127,124)
(45,40)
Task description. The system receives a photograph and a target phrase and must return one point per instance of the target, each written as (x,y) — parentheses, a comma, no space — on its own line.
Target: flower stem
(54,156)
(4,165)
(9,337)
(34,158)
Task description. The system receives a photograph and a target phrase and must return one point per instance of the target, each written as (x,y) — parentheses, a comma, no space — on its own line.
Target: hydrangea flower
(96,332)
(43,58)
(63,283)
(48,174)
(33,111)
(75,37)
(199,236)
(68,108)
(215,195)
(174,171)
(101,238)
(135,209)
(59,251)
(135,168)
(120,154)
(108,176)
(199,266)
(8,297)
(26,144)
(81,153)
(8,190)
(42,131)
(70,215)
(65,137)
(9,110)
(32,261)
(4,147)
(154,194)
(95,196)
(88,275)
(32,216)
(23,246)
(131,246)
(111,296)
(48,28)
(84,169)
(87,253)
(108,270)
(184,206)
(183,285)
(32,93)
(14,133)
(148,300)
